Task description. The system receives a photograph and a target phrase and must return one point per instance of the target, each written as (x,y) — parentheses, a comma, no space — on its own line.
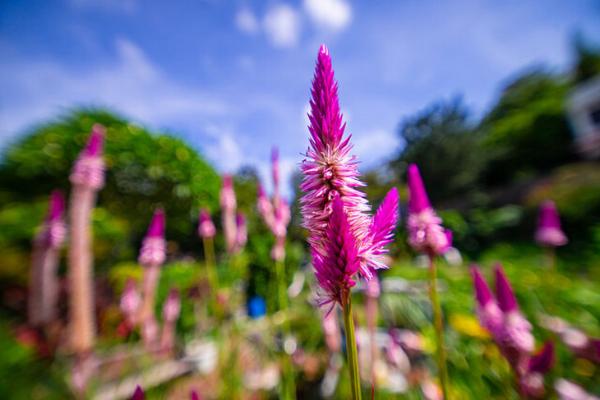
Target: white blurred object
(202,354)
(567,390)
(431,391)
(297,284)
(332,375)
(453,257)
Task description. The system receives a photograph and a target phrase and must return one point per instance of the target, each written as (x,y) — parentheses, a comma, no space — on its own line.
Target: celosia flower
(549,232)
(194,395)
(241,232)
(206,228)
(331,172)
(512,332)
(138,394)
(153,251)
(425,232)
(54,231)
(131,301)
(172,306)
(265,208)
(88,170)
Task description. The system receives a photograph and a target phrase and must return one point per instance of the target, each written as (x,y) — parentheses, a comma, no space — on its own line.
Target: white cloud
(331,14)
(376,145)
(282,25)
(131,84)
(246,21)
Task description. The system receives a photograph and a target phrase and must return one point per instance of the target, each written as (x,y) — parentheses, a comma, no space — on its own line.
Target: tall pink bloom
(152,256)
(549,232)
(228,206)
(130,303)
(330,171)
(43,287)
(171,310)
(87,178)
(138,394)
(206,228)
(425,231)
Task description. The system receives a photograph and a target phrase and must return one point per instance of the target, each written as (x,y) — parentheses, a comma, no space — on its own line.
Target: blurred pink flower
(88,170)
(131,302)
(138,394)
(206,228)
(241,233)
(228,206)
(425,231)
(549,232)
(153,250)
(172,306)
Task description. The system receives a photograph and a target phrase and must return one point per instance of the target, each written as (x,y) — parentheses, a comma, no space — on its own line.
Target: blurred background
(497,102)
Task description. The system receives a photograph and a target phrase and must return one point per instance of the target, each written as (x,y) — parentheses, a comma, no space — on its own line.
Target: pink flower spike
(483,294)
(384,222)
(57,206)
(172,306)
(138,394)
(549,232)
(418,200)
(275,169)
(335,269)
(504,292)
(194,395)
(157,225)
(95,142)
(488,312)
(130,299)
(241,231)
(228,200)
(206,228)
(543,361)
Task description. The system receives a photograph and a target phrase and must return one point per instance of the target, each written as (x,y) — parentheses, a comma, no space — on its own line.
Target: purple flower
(138,394)
(206,228)
(549,232)
(228,206)
(335,268)
(228,201)
(567,390)
(194,395)
(425,231)
(172,306)
(489,313)
(532,381)
(153,251)
(88,169)
(331,172)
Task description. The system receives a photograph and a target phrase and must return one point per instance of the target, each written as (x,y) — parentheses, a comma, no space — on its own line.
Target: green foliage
(144,170)
(587,64)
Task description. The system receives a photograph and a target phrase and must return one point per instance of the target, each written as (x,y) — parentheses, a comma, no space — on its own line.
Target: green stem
(439,328)
(211,272)
(351,351)
(288,384)
(551,258)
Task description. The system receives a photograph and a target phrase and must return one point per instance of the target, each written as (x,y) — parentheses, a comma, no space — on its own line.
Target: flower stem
(211,273)
(351,351)
(288,384)
(439,329)
(551,258)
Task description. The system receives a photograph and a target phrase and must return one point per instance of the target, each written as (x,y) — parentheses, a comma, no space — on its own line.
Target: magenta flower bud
(131,301)
(206,228)
(241,231)
(172,306)
(138,394)
(88,170)
(489,314)
(381,231)
(194,395)
(549,232)
(504,292)
(154,247)
(543,361)
(425,231)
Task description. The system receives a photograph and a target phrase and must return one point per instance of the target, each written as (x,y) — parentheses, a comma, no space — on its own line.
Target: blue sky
(233,77)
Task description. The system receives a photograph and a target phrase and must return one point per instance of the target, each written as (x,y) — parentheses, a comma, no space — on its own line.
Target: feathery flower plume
(549,232)
(489,313)
(206,228)
(425,231)
(87,178)
(228,206)
(43,288)
(330,171)
(152,256)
